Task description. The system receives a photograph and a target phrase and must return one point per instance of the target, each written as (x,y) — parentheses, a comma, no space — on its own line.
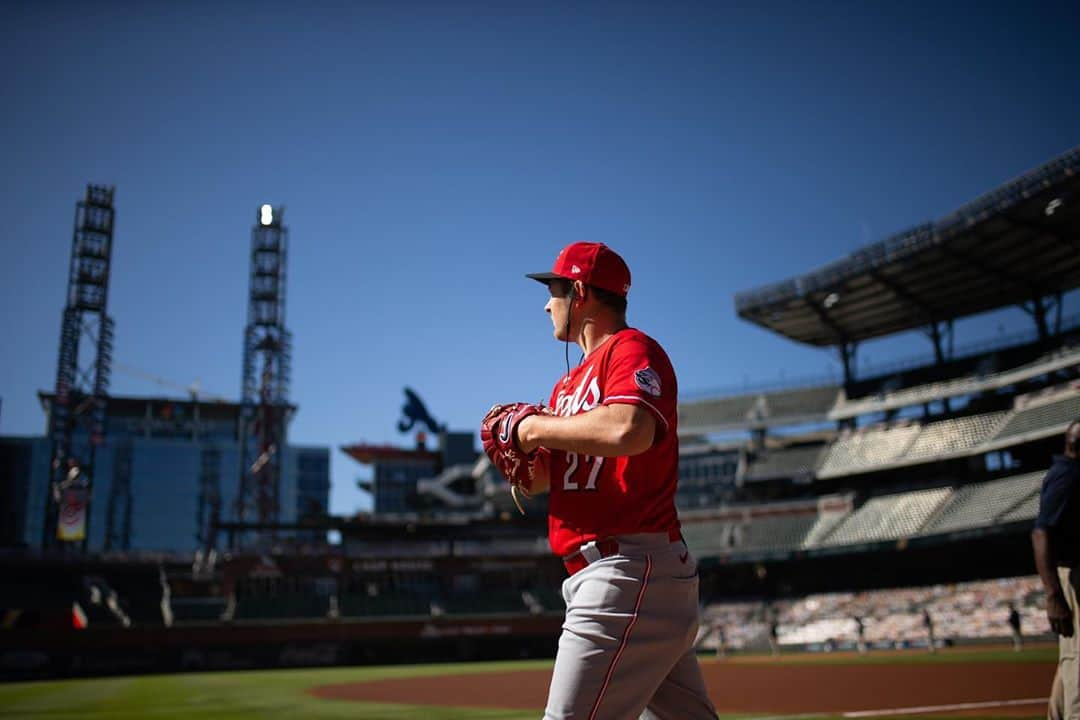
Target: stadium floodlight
(266,215)
(830,300)
(1052,206)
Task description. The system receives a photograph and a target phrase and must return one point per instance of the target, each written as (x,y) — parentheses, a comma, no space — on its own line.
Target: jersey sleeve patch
(648,380)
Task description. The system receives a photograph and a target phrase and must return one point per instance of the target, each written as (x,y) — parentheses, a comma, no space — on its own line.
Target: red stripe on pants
(625,637)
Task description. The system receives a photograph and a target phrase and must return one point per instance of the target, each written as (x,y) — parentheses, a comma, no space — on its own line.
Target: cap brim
(544,277)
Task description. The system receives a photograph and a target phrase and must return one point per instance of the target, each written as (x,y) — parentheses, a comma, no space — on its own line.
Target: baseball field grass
(234,695)
(285,693)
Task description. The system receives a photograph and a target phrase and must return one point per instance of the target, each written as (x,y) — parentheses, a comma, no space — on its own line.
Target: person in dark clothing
(1056,545)
(1014,627)
(773,618)
(860,634)
(928,623)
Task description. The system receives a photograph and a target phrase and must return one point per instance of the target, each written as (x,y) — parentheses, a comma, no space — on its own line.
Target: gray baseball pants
(1065,693)
(627,644)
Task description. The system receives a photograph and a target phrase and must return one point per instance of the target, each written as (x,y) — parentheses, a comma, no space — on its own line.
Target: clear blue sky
(429,154)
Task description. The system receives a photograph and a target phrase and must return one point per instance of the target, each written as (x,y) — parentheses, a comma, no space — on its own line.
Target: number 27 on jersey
(592,464)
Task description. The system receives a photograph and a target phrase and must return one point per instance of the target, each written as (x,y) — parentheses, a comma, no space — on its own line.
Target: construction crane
(193,390)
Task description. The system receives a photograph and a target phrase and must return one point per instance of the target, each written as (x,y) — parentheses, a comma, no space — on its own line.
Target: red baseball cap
(593,264)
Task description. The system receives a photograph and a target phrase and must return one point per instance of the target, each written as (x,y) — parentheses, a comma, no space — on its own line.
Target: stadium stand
(906,442)
(190,596)
(1028,509)
(798,404)
(742,624)
(887,517)
(867,448)
(708,474)
(389,592)
(776,533)
(197,609)
(384,603)
(280,590)
(710,538)
(493,601)
(722,413)
(280,607)
(878,448)
(775,526)
(987,370)
(985,504)
(824,525)
(892,617)
(950,436)
(799,461)
(757,410)
(1040,418)
(831,522)
(981,378)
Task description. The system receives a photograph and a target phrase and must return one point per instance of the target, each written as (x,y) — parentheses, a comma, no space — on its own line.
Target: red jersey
(596,497)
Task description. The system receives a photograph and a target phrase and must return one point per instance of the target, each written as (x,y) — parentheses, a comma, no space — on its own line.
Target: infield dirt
(755,687)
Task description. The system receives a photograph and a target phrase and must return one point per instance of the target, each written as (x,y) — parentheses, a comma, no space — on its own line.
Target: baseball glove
(498,434)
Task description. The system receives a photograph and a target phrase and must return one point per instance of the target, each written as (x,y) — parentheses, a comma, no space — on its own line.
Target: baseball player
(606,449)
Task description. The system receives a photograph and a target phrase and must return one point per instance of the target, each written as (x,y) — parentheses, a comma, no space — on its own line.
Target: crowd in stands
(890,618)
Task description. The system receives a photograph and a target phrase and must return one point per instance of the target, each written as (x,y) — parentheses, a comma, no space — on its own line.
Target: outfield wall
(37,653)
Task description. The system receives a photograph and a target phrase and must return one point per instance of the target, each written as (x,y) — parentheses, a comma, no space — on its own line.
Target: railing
(881,371)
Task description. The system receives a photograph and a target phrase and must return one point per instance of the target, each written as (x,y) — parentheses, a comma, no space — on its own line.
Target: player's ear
(579,292)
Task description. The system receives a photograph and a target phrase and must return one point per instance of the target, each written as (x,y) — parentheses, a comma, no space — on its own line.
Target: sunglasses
(559,288)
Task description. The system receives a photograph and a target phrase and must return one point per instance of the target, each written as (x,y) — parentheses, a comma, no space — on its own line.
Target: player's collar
(604,342)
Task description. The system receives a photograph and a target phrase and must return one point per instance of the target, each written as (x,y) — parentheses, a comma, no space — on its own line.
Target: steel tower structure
(267,366)
(118,510)
(77,415)
(208,507)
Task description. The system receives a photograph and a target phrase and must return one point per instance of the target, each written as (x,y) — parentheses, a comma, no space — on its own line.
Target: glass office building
(162,463)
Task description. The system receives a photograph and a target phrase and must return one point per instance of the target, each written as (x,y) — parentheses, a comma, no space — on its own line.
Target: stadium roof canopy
(1013,245)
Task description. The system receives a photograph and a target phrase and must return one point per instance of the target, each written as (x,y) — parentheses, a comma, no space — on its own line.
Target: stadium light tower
(267,365)
(77,413)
